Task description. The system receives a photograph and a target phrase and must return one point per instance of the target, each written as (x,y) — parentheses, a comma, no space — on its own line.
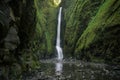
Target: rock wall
(46,27)
(92,30)
(17,29)
(101,40)
(77,15)
(89,29)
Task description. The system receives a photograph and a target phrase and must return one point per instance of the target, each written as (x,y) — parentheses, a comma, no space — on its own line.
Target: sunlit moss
(54,3)
(57,2)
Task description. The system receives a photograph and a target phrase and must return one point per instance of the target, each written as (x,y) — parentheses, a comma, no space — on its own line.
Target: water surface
(76,70)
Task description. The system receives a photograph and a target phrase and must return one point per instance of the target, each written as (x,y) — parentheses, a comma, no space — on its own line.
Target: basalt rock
(17,28)
(12,40)
(92,30)
(100,40)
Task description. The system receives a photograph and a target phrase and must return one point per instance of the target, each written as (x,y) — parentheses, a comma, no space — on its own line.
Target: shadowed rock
(12,39)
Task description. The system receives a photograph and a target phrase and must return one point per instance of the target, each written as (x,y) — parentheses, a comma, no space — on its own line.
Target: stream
(73,70)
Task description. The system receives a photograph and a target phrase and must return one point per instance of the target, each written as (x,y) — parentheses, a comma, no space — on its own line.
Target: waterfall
(59,67)
(58,47)
(59,64)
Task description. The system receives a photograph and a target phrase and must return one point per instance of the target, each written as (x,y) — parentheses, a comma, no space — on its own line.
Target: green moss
(77,15)
(46,25)
(104,18)
(100,38)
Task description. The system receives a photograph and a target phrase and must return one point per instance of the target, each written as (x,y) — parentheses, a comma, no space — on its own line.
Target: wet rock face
(27,23)
(100,40)
(14,27)
(14,13)
(46,27)
(78,14)
(11,41)
(106,47)
(17,25)
(4,19)
(91,30)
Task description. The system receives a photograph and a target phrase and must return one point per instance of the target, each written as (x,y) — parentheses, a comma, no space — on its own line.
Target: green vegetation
(102,34)
(78,15)
(90,32)
(46,26)
(104,18)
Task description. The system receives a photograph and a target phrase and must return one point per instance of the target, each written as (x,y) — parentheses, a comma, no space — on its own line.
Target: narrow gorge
(59,39)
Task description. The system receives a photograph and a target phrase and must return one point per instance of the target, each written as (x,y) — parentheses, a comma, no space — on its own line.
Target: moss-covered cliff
(46,27)
(92,30)
(101,40)
(77,15)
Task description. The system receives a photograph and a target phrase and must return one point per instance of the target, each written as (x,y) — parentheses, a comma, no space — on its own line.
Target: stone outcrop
(17,29)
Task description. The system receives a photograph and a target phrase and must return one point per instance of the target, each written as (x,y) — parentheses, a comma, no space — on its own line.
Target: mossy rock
(101,37)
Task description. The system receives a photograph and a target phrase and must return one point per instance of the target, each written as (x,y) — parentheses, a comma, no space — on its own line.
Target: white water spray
(58,68)
(58,47)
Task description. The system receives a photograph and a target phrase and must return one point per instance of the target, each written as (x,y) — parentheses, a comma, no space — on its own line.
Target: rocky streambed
(73,70)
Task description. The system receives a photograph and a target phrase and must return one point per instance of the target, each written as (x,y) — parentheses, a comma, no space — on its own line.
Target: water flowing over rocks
(75,70)
(89,30)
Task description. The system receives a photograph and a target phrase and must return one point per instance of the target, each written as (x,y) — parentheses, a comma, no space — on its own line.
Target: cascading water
(59,64)
(58,68)
(58,47)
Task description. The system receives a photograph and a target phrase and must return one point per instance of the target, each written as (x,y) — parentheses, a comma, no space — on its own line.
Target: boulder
(12,40)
